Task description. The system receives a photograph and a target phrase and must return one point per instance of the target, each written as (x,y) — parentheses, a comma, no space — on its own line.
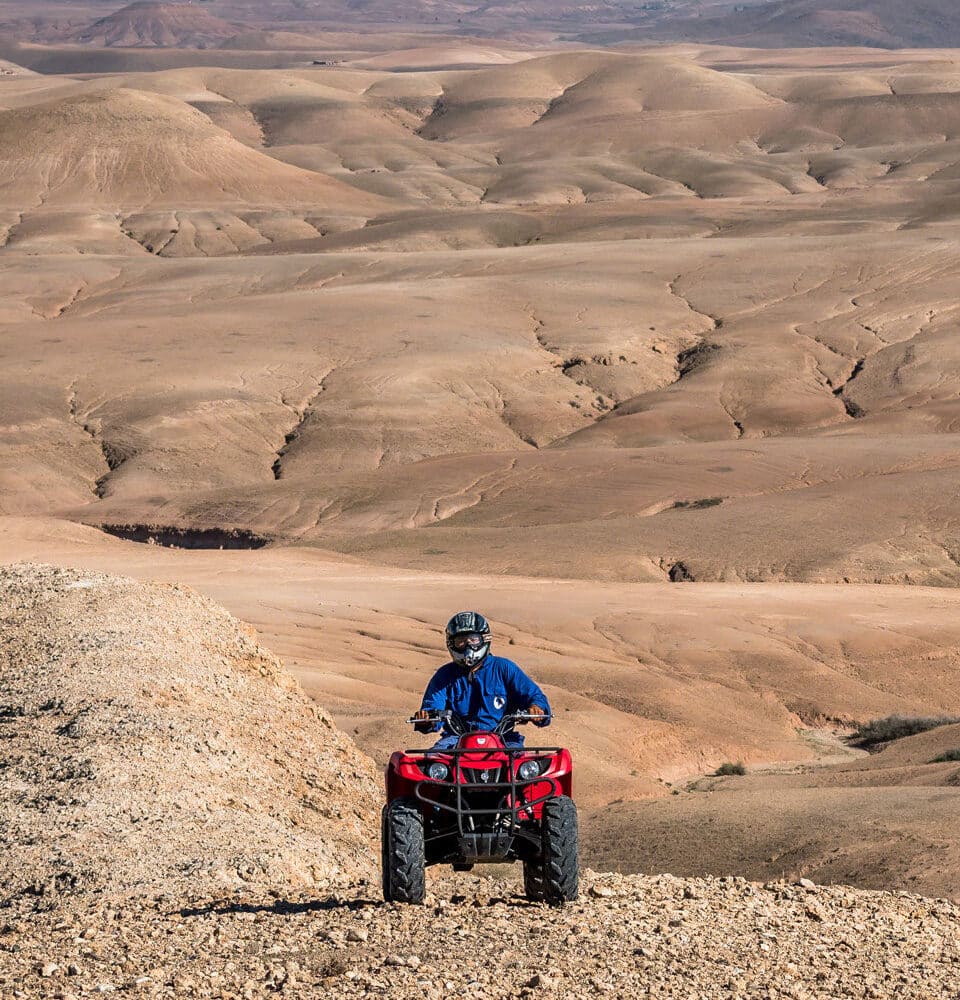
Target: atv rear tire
(561,866)
(533,881)
(403,853)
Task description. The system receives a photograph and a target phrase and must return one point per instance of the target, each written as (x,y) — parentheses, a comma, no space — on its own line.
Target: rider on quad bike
(479,794)
(480,688)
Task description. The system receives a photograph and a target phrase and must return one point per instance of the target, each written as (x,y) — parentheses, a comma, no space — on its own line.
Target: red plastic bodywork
(404,770)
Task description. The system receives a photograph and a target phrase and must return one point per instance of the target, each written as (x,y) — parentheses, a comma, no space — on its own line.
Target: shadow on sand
(288,907)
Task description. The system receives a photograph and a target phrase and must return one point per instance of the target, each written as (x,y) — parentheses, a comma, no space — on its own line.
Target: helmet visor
(461,643)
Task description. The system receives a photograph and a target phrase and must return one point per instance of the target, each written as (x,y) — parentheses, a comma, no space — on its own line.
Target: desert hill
(8,68)
(152,745)
(283,25)
(650,354)
(876,820)
(651,683)
(149,23)
(125,147)
(779,23)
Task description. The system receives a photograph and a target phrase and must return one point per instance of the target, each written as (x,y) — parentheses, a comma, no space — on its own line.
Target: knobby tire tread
(404,879)
(533,881)
(561,868)
(384,852)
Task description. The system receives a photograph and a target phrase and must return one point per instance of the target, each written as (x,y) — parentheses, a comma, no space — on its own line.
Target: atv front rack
(506,815)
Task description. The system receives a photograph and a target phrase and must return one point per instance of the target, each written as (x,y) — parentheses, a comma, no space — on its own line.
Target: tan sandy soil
(879,819)
(803,368)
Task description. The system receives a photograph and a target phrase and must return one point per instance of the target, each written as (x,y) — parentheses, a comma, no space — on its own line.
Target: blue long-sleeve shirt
(497,689)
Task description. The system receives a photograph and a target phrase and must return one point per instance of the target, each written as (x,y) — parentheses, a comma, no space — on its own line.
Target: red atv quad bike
(482,801)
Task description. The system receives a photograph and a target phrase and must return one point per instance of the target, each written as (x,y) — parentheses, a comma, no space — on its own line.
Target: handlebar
(458,726)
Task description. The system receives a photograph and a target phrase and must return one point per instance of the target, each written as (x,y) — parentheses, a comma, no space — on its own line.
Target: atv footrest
(485,846)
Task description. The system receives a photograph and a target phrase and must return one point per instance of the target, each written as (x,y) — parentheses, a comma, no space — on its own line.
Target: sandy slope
(876,822)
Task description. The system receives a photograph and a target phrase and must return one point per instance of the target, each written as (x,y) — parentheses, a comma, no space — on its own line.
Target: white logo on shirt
(499,702)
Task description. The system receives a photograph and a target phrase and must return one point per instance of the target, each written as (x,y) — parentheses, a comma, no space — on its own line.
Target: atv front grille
(484,777)
(490,795)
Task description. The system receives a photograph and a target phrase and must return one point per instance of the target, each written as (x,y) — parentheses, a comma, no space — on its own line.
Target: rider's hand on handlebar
(536,710)
(426,724)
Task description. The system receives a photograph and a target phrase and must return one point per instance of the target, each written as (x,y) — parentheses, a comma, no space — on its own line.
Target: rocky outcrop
(149,745)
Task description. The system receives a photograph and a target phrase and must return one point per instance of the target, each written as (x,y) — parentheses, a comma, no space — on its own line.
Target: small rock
(358,934)
(805,883)
(602,891)
(395,960)
(413,961)
(48,969)
(540,981)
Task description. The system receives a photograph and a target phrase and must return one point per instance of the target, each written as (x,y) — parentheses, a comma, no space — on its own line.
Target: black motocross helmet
(468,638)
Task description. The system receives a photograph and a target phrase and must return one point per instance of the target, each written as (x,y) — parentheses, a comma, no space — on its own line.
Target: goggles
(463,642)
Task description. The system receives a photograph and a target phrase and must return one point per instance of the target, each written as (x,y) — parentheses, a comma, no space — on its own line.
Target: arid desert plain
(644,345)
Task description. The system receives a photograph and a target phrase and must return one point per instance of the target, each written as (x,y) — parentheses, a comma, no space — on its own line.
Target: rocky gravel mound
(148,744)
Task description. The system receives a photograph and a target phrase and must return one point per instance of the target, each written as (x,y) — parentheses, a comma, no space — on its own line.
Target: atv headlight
(438,771)
(528,769)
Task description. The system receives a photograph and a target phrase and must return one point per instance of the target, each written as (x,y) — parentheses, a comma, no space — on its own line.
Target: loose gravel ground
(628,936)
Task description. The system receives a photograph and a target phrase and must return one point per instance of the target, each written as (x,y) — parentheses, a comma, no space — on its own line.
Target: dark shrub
(730,768)
(697,504)
(895,727)
(946,756)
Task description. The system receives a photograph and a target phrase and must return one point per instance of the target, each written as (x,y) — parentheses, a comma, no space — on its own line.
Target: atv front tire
(403,854)
(533,881)
(561,866)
